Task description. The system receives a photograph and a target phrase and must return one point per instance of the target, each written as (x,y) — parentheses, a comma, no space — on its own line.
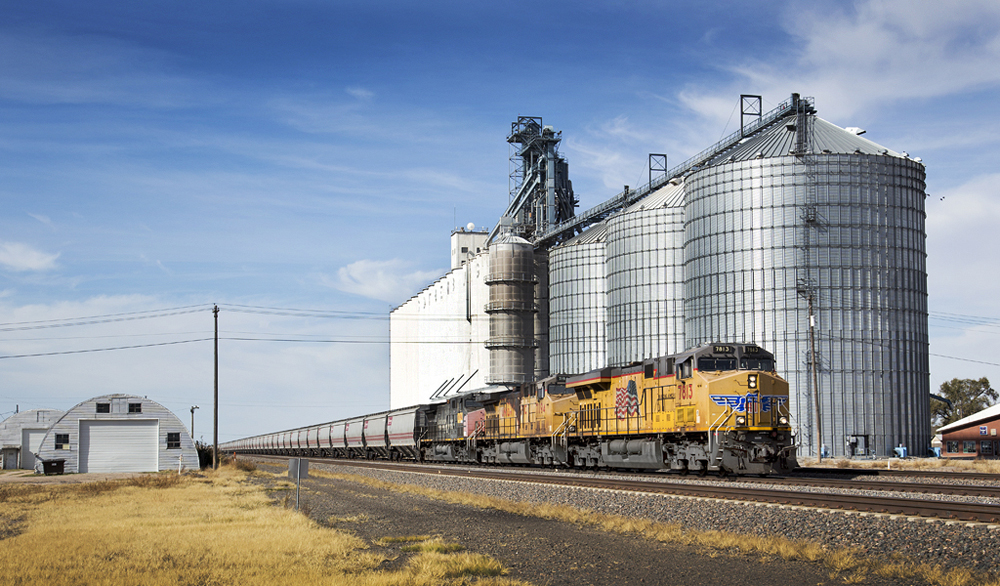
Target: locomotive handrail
(563,429)
(713,434)
(478,430)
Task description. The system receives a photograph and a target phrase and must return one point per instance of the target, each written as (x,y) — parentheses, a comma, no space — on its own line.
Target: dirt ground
(543,552)
(29,477)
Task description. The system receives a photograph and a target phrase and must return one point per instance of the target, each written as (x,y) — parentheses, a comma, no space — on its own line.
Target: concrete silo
(511,281)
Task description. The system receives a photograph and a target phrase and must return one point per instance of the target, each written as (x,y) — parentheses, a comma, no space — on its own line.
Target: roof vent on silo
(855,130)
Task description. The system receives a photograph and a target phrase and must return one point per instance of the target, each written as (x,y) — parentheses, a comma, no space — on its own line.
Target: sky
(301,164)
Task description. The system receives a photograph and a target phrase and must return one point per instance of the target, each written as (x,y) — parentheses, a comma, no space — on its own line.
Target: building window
(465,249)
(173,440)
(135,407)
(986,448)
(970,447)
(104,407)
(62,441)
(953,448)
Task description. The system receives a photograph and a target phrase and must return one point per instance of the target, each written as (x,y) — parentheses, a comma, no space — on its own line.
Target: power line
(87,321)
(111,336)
(106,315)
(965,359)
(63,352)
(321,313)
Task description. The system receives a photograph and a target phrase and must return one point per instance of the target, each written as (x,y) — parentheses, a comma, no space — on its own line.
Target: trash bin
(52,466)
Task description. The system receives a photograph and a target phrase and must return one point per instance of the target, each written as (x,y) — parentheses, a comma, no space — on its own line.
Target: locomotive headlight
(741,420)
(782,420)
(751,381)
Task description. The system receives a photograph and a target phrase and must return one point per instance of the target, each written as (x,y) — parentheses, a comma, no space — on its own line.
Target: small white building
(21,436)
(119,433)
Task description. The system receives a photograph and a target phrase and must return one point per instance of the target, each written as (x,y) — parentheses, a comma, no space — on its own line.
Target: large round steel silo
(578,303)
(645,256)
(804,224)
(511,308)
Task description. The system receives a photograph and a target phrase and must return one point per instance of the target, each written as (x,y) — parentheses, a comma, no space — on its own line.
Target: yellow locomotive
(719,407)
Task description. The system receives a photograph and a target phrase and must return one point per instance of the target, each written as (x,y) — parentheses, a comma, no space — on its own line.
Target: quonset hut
(21,436)
(793,233)
(119,433)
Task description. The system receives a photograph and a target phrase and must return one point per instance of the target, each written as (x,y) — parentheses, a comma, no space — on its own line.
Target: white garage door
(118,446)
(31,441)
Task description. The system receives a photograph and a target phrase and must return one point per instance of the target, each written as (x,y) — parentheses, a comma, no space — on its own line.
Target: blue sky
(316,155)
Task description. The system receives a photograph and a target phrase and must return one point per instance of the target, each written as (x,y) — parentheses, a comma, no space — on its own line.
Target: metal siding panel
(119,446)
(31,442)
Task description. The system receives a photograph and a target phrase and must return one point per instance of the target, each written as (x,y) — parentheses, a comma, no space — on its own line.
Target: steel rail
(869,484)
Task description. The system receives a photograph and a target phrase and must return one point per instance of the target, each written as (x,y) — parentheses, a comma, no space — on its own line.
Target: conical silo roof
(670,195)
(779,141)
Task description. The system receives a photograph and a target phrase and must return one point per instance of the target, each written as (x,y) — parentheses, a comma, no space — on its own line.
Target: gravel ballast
(949,544)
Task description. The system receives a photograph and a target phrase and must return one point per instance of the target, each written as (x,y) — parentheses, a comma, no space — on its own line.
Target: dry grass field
(203,529)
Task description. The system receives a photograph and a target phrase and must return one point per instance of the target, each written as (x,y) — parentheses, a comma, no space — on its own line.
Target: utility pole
(807,291)
(193,407)
(815,379)
(215,431)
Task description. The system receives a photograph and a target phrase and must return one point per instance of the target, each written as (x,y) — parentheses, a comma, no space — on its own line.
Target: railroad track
(979,512)
(867,484)
(875,472)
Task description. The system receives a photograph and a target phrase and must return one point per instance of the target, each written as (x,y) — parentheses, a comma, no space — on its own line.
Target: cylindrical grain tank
(645,268)
(511,307)
(578,303)
(542,293)
(810,212)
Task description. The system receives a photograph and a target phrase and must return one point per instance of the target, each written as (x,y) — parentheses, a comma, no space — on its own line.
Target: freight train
(717,408)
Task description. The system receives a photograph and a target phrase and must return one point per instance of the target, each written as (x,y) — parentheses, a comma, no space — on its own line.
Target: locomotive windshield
(708,363)
(757,364)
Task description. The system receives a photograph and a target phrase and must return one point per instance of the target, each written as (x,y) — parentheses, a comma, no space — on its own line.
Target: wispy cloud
(81,69)
(870,54)
(360,93)
(385,280)
(43,219)
(20,257)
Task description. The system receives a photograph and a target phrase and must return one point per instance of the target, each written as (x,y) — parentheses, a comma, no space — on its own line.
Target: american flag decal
(626,401)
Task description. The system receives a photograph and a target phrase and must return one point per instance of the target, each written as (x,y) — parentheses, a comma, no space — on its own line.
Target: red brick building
(973,437)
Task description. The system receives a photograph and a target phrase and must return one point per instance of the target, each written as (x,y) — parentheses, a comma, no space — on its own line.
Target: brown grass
(942,464)
(211,529)
(436,545)
(846,564)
